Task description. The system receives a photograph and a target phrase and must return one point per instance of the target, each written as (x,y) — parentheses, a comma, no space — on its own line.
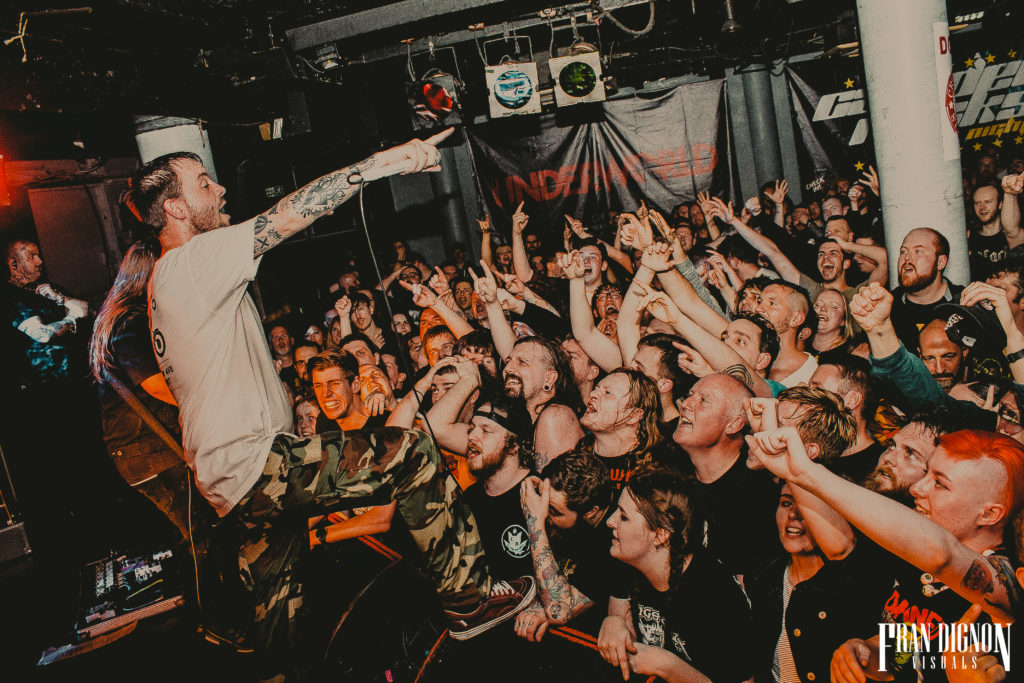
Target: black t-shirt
(740,509)
(704,620)
(585,560)
(857,466)
(986,251)
(916,598)
(621,467)
(502,531)
(908,318)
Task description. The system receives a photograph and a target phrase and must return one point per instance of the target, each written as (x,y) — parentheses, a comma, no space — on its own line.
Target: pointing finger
(440,137)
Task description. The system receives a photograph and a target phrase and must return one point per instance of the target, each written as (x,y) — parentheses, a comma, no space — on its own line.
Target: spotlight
(512,89)
(327,57)
(434,100)
(577,76)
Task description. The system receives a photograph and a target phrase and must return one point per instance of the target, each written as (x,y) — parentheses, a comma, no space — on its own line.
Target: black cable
(387,304)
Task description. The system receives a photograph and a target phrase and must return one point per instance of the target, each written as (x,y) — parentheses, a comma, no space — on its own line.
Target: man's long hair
(566,391)
(126,298)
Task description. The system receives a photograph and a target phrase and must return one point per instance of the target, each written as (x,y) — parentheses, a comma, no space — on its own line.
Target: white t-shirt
(802,374)
(213,353)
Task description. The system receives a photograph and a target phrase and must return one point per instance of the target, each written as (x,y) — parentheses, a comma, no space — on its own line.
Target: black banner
(830,118)
(587,160)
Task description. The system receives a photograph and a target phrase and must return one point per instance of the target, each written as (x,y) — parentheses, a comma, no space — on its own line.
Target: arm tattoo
(740,372)
(266,236)
(1008,580)
(326,193)
(978,578)
(561,601)
(311,201)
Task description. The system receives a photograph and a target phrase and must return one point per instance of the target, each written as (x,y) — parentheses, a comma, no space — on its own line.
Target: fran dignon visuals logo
(939,646)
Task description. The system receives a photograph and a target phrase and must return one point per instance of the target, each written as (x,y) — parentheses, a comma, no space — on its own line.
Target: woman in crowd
(686,615)
(835,326)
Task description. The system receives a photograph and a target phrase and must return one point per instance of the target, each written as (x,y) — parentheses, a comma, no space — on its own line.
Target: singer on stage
(212,351)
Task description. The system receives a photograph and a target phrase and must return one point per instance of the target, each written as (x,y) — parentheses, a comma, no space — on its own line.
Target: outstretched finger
(438,138)
(472,274)
(519,208)
(487,271)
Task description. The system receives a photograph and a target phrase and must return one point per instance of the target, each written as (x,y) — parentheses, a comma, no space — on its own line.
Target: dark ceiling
(215,57)
(239,62)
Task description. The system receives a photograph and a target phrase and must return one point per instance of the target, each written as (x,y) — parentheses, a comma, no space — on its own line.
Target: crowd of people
(720,441)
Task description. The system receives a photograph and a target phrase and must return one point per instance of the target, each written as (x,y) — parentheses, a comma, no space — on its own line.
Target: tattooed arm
(987,580)
(298,210)
(561,600)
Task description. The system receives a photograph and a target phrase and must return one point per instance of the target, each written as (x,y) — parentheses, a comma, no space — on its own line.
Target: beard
(484,465)
(513,386)
(205,220)
(916,281)
(883,480)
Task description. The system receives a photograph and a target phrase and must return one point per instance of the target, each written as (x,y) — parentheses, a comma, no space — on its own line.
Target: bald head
(943,358)
(712,413)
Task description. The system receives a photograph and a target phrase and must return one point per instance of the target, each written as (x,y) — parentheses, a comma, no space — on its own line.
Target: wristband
(1015,356)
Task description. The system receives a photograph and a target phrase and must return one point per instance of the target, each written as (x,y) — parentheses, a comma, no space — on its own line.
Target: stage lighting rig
(578,75)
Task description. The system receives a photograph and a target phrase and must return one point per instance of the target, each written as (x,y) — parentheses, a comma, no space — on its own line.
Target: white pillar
(909,80)
(159,135)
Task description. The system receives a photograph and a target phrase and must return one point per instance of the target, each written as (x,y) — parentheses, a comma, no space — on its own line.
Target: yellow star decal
(1011,54)
(997,143)
(969,62)
(977,146)
(1019,139)
(848,82)
(859,165)
(990,58)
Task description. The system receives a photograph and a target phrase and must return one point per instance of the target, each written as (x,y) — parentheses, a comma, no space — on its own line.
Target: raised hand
(724,210)
(485,286)
(466,368)
(1013,184)
(439,282)
(421,296)
(855,193)
(692,362)
(512,283)
(571,265)
(423,155)
(534,496)
(658,257)
(658,304)
(781,451)
(577,227)
(484,225)
(995,298)
(871,307)
(509,302)
(704,202)
(870,178)
(662,225)
(753,205)
(779,194)
(762,413)
(642,212)
(519,220)
(640,233)
(343,307)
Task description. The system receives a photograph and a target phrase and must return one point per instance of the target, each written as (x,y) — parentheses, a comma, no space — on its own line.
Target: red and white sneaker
(507,599)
